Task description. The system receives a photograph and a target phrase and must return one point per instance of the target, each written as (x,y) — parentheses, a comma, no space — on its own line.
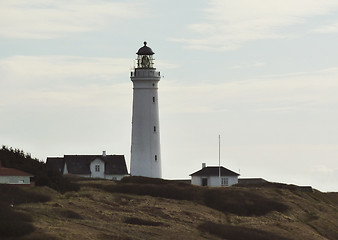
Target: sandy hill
(140,208)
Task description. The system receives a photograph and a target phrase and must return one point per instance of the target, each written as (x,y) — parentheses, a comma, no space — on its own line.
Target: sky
(261,74)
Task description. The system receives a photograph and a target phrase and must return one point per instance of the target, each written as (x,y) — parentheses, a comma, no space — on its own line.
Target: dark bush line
(68,214)
(44,175)
(237,233)
(166,191)
(13,224)
(16,195)
(227,200)
(241,202)
(139,221)
(143,180)
(274,185)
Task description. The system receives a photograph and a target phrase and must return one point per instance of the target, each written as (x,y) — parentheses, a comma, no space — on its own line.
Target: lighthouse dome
(145,50)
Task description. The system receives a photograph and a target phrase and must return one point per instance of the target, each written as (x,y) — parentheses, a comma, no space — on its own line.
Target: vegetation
(140,221)
(227,200)
(136,209)
(237,232)
(44,175)
(14,223)
(144,208)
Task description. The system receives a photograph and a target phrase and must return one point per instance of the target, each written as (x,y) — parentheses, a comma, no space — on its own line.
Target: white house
(14,176)
(214,177)
(111,167)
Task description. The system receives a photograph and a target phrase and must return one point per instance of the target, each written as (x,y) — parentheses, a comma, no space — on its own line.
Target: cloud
(56,79)
(44,80)
(230,24)
(277,93)
(46,19)
(256,64)
(331,28)
(24,70)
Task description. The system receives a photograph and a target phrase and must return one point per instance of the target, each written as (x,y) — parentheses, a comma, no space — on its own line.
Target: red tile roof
(13,172)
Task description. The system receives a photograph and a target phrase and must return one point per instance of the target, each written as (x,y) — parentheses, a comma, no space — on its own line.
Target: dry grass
(96,213)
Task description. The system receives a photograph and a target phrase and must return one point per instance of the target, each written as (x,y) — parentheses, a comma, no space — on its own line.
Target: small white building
(214,177)
(111,167)
(14,176)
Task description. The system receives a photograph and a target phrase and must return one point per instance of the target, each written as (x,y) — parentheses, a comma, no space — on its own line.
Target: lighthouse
(145,138)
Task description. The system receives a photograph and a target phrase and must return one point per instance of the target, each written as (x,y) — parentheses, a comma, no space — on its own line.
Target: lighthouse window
(154,128)
(153,99)
(155,157)
(153,84)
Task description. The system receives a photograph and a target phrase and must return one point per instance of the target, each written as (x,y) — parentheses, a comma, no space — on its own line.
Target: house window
(224,181)
(97,168)
(155,157)
(114,178)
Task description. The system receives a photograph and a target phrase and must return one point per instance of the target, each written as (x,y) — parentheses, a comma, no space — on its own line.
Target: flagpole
(219,159)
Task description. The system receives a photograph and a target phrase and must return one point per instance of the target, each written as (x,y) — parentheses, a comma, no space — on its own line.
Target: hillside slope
(166,210)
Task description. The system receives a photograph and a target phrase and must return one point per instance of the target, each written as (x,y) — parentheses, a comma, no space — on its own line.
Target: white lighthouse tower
(145,140)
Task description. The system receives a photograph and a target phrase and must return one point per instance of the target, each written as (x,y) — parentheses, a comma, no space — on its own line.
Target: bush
(13,224)
(143,180)
(69,214)
(237,232)
(241,202)
(139,221)
(17,195)
(227,200)
(171,191)
(44,175)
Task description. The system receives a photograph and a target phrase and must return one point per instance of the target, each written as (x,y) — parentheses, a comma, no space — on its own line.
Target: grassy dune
(140,208)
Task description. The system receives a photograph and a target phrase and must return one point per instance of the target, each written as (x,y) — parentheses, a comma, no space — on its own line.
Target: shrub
(44,175)
(227,200)
(237,232)
(171,191)
(241,202)
(139,221)
(143,180)
(17,195)
(13,224)
(69,214)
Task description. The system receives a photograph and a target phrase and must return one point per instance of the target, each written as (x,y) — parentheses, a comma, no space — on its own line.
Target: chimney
(204,165)
(104,153)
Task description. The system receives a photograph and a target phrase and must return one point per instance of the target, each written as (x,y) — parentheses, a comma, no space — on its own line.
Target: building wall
(196,180)
(145,145)
(14,179)
(97,168)
(213,181)
(233,180)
